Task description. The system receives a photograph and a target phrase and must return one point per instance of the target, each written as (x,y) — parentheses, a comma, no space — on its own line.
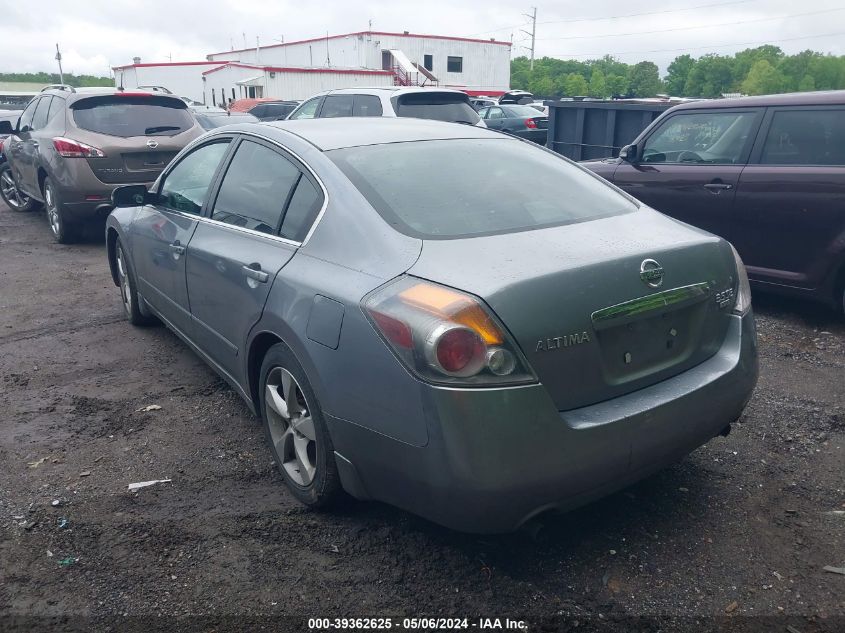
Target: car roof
(338,133)
(826,97)
(391,90)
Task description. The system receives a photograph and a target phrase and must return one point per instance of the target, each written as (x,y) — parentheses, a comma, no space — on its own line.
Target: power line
(616,17)
(533,33)
(636,15)
(691,28)
(696,48)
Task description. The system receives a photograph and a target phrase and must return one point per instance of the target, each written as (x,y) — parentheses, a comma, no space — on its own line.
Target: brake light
(68,148)
(445,336)
(531,124)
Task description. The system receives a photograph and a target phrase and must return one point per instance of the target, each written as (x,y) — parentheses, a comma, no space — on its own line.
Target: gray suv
(71,147)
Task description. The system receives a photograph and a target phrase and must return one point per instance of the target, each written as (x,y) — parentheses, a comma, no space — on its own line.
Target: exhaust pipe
(725,431)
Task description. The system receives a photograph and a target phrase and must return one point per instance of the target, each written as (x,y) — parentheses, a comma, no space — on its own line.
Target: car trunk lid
(591,326)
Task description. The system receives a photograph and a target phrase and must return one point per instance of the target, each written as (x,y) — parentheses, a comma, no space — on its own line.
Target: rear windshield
(132,116)
(522,110)
(211,121)
(454,188)
(437,106)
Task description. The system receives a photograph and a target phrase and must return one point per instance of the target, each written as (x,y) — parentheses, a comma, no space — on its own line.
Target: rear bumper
(84,197)
(498,457)
(537,136)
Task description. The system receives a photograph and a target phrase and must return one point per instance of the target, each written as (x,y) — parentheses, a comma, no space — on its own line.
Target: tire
(295,430)
(132,307)
(64,231)
(12,196)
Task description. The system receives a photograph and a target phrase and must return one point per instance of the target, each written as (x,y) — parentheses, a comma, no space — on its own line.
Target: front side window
(475,187)
(455,64)
(336,106)
(126,116)
(25,122)
(717,138)
(806,137)
(255,189)
(307,110)
(186,186)
(367,105)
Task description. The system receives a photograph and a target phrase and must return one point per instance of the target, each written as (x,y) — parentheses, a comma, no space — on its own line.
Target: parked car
(246,104)
(72,147)
(766,173)
(482,102)
(273,110)
(520,120)
(210,117)
(443,318)
(422,103)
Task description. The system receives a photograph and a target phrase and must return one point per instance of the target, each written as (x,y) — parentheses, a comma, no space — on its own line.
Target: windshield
(440,106)
(453,188)
(132,116)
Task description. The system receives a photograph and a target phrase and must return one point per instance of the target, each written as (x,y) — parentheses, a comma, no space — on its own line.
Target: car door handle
(716,187)
(177,249)
(253,271)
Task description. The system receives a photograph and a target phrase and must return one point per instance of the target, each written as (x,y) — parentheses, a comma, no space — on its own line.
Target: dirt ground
(736,535)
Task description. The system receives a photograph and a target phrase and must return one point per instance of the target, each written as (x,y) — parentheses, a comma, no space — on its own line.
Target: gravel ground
(736,535)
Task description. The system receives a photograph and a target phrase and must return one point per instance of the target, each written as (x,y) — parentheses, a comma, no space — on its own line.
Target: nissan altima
(438,316)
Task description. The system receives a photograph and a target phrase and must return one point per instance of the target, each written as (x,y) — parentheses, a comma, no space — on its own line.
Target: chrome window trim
(300,161)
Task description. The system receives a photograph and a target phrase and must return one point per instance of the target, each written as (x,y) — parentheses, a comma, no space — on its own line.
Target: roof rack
(65,87)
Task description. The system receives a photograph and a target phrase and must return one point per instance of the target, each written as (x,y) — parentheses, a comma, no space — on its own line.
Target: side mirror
(6,127)
(130,196)
(629,153)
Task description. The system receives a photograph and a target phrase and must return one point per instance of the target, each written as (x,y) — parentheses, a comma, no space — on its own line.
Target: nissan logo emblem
(651,273)
(152,144)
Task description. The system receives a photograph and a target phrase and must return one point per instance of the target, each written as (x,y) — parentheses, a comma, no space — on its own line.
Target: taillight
(74,149)
(531,124)
(445,336)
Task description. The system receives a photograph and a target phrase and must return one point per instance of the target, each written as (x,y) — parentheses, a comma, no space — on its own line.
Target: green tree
(598,85)
(617,85)
(575,85)
(679,71)
(711,77)
(762,79)
(644,80)
(807,84)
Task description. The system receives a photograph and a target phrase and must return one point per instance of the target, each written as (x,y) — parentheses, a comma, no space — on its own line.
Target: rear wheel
(12,196)
(295,430)
(64,232)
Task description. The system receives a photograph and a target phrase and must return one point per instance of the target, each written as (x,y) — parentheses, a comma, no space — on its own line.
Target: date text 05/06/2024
(413,624)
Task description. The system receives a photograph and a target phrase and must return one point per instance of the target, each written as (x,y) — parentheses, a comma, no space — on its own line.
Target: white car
(419,103)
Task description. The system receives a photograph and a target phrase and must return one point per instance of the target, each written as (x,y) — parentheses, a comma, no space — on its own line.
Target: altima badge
(651,273)
(562,341)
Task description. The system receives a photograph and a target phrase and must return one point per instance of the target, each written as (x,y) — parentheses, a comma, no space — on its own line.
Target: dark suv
(766,173)
(70,148)
(273,110)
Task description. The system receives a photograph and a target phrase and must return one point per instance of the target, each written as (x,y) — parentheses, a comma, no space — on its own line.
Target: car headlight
(743,290)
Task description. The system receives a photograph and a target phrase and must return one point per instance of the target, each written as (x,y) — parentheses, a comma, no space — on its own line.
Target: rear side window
(255,189)
(278,110)
(302,211)
(186,186)
(367,105)
(39,119)
(438,106)
(336,106)
(57,107)
(132,116)
(806,137)
(475,187)
(258,111)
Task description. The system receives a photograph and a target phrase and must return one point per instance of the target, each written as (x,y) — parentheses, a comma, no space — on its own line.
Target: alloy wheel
(291,426)
(11,193)
(52,211)
(123,279)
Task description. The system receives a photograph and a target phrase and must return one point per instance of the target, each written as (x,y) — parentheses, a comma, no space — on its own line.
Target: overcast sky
(97,34)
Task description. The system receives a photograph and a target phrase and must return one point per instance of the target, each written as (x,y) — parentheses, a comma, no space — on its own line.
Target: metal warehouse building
(297,70)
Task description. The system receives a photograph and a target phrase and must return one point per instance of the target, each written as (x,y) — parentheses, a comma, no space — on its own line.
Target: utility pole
(533,33)
(59,59)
